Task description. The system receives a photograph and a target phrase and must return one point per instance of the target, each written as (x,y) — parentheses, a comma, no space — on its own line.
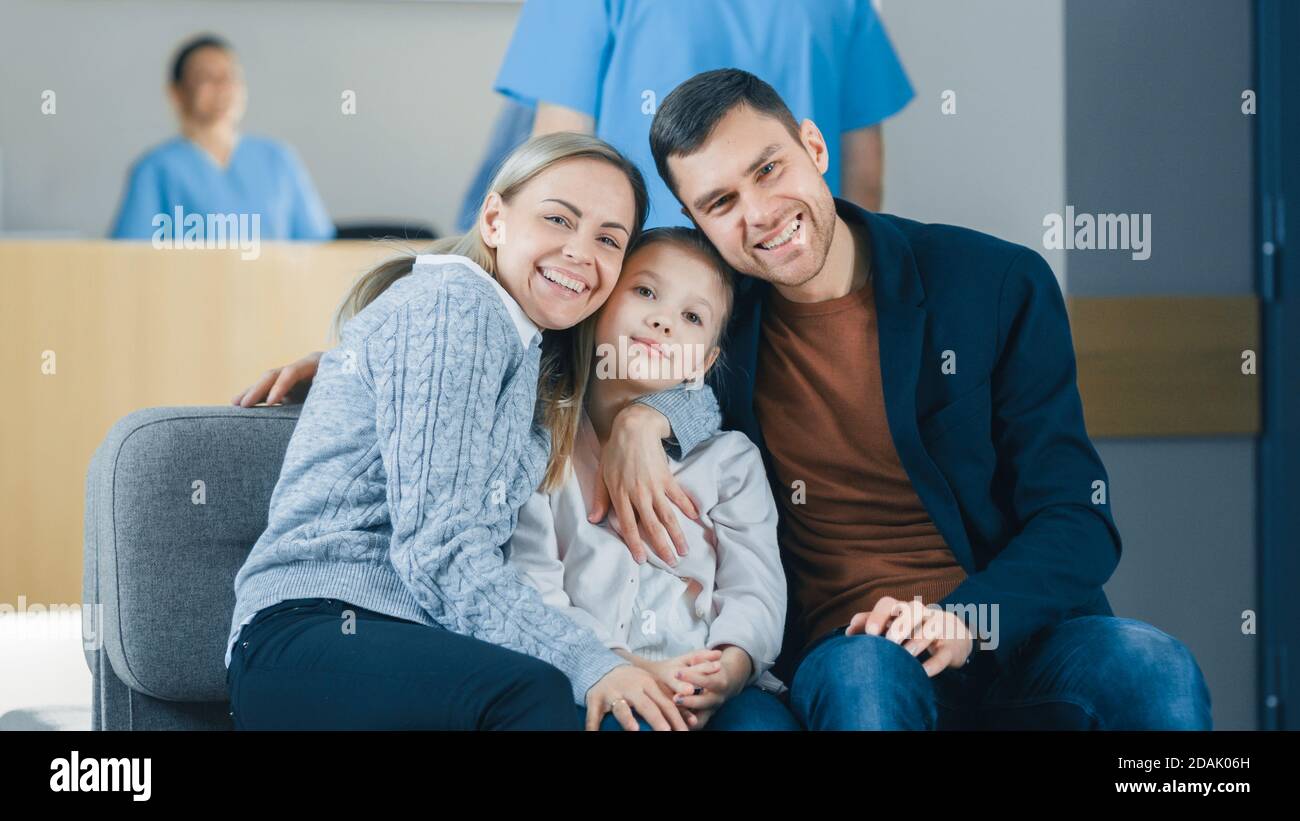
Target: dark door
(1278,208)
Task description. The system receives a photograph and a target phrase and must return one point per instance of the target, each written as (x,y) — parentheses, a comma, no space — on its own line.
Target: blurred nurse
(601,66)
(211,169)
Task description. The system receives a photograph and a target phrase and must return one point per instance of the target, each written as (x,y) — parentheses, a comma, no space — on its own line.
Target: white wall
(998,164)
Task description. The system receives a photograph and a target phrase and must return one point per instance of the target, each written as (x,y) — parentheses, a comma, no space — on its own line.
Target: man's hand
(635,478)
(918,628)
(277,385)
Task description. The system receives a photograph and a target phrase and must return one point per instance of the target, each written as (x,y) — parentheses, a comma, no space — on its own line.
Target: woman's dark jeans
(315,664)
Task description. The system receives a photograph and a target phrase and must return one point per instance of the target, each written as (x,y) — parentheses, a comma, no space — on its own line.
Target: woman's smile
(561,282)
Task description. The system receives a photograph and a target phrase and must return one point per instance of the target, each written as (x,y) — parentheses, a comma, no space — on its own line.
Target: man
(913,390)
(601,67)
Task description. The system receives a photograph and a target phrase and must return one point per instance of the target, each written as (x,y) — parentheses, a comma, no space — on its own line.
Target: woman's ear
(491,221)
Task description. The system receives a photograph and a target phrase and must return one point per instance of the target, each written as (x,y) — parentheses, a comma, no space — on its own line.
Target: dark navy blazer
(997,451)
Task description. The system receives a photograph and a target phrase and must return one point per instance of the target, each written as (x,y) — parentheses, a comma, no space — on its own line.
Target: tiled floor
(42,665)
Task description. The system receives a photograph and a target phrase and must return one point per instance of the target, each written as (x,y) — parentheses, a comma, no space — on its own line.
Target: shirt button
(245,644)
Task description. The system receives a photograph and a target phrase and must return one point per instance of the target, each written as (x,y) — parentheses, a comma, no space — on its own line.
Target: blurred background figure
(212,168)
(602,66)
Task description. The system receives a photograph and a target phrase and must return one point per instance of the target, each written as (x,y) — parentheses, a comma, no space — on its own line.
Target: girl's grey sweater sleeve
(452,440)
(693,414)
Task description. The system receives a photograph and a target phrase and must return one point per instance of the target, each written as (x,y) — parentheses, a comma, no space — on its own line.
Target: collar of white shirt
(529,333)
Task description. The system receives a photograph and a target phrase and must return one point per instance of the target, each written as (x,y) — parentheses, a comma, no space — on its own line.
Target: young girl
(378,596)
(709,627)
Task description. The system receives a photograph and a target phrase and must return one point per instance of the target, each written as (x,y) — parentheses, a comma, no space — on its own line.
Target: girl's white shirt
(729,589)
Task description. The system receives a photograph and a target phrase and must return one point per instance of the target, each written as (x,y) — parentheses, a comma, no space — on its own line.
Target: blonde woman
(378,596)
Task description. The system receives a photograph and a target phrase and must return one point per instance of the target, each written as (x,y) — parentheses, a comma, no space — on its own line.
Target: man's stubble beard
(819,246)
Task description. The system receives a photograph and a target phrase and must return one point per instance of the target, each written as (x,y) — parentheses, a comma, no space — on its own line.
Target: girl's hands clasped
(699,682)
(713,676)
(671,672)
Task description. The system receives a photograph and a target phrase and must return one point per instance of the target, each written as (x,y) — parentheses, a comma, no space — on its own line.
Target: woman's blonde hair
(566,354)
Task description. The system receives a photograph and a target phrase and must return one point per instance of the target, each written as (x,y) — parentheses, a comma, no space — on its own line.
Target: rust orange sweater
(857,531)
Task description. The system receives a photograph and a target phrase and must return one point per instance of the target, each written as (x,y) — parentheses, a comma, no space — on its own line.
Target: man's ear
(815,144)
(491,220)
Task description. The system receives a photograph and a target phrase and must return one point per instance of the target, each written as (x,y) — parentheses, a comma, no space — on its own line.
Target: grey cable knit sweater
(411,458)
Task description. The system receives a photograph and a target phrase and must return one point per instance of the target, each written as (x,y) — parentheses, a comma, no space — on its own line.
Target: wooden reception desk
(130,327)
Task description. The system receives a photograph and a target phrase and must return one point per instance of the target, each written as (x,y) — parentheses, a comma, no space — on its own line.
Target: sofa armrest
(175,499)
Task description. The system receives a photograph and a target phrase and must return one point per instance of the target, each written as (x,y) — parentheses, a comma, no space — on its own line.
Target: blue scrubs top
(830,60)
(263,177)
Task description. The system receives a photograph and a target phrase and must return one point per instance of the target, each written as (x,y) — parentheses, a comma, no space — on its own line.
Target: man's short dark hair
(191,46)
(691,111)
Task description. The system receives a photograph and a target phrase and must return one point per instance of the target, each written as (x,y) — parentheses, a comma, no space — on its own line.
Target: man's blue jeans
(1089,672)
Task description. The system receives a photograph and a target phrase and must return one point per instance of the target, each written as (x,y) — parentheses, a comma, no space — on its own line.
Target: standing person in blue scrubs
(211,168)
(602,66)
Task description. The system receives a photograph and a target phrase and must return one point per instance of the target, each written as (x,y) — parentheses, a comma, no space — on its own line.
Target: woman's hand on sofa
(278,385)
(628,691)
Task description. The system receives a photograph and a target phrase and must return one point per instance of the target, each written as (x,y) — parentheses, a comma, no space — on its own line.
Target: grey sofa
(161,553)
